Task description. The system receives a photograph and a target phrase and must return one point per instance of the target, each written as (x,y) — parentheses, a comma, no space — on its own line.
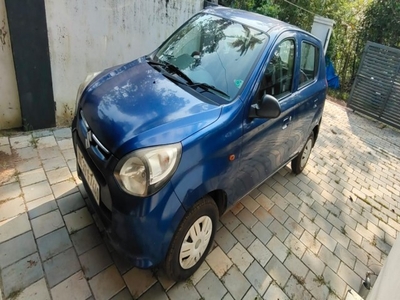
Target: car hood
(134,106)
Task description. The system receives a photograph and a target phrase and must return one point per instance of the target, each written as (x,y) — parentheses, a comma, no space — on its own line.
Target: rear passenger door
(308,94)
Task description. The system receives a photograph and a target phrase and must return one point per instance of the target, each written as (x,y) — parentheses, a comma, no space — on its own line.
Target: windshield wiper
(207,87)
(171,69)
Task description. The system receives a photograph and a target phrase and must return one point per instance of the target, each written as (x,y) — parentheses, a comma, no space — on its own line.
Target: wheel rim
(195,243)
(306,153)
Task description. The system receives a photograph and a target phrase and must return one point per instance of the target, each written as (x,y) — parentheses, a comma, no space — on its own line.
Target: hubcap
(195,243)
(306,153)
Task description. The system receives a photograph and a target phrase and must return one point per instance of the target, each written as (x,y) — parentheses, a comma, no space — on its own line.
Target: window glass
(278,77)
(215,51)
(308,63)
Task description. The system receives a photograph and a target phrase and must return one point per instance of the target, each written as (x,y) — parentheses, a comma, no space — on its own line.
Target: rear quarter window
(308,63)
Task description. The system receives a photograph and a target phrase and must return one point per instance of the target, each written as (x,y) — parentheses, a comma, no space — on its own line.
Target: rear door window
(308,63)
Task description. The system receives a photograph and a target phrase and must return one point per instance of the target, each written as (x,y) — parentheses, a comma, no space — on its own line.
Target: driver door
(266,142)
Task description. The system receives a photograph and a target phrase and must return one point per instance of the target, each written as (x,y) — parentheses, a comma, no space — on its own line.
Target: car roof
(257,21)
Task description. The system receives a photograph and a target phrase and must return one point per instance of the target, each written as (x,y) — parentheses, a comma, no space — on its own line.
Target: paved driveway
(311,236)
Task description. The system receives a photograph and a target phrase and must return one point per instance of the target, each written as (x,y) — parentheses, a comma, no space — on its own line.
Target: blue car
(167,143)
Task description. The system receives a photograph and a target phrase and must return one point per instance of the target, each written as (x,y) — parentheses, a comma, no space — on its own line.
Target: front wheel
(193,240)
(300,161)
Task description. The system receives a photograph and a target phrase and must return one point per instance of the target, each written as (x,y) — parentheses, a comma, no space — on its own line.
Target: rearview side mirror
(267,107)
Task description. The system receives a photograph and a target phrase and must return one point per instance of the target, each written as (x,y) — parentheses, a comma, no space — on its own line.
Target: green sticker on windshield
(238,83)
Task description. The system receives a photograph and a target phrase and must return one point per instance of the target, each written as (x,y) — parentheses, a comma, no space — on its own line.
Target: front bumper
(139,228)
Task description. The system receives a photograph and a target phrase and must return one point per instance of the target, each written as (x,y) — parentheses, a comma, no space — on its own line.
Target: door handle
(315,103)
(286,122)
(287,119)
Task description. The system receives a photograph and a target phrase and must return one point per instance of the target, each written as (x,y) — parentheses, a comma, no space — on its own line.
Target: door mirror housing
(267,107)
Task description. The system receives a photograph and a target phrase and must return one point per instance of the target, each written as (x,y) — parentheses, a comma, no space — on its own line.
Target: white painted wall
(10,111)
(88,36)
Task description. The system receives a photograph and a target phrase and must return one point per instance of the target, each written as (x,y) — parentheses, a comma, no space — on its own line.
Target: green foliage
(381,23)
(356,22)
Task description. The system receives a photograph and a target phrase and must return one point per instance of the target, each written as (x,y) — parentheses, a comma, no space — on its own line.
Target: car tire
(193,240)
(300,161)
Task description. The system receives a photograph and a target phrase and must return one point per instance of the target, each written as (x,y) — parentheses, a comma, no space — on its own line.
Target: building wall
(10,111)
(89,36)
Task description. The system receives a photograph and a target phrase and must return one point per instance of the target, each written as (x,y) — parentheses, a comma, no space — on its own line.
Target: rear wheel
(193,240)
(300,161)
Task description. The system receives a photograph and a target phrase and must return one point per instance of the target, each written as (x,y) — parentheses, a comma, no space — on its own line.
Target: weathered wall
(88,36)
(10,112)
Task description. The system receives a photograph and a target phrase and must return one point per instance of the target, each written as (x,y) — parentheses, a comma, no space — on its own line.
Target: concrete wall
(88,36)
(10,111)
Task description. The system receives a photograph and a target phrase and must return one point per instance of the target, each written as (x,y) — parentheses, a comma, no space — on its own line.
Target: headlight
(83,86)
(145,171)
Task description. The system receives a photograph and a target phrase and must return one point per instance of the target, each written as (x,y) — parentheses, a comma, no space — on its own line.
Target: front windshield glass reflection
(215,51)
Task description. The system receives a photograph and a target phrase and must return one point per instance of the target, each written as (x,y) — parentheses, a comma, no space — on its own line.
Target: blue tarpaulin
(333,79)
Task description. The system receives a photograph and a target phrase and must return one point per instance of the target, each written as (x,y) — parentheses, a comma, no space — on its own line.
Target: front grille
(92,140)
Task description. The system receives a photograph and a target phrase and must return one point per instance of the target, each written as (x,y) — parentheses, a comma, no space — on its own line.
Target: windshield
(215,51)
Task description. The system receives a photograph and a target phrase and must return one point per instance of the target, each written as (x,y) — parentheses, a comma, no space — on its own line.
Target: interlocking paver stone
(335,282)
(36,291)
(240,257)
(295,246)
(236,283)
(198,275)
(78,220)
(183,291)
(275,292)
(210,287)
(41,206)
(155,292)
(59,175)
(13,227)
(61,266)
(31,177)
(349,276)
(277,271)
(10,191)
(261,232)
(247,218)
(106,284)
(139,281)
(22,274)
(259,279)
(313,262)
(36,191)
(17,248)
(317,288)
(53,243)
(250,203)
(225,239)
(53,163)
(47,223)
(218,262)
(230,221)
(251,295)
(278,248)
(313,223)
(70,203)
(95,261)
(260,252)
(11,208)
(243,235)
(296,290)
(329,258)
(126,295)
(296,266)
(278,230)
(74,287)
(64,188)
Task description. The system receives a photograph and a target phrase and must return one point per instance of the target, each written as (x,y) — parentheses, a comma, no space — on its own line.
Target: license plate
(88,174)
